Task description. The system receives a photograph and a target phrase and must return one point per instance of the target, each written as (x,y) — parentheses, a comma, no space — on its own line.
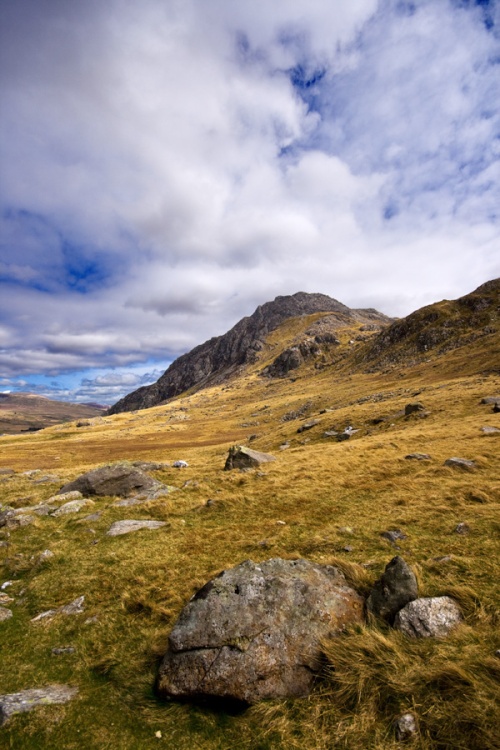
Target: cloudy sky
(168,165)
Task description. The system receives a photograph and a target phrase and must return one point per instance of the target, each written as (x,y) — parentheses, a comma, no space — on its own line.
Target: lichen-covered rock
(241,457)
(428,617)
(5,614)
(125,527)
(405,727)
(27,700)
(73,608)
(254,632)
(396,587)
(73,506)
(119,479)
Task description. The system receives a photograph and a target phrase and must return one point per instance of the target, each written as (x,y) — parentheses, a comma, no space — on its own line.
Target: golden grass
(332,496)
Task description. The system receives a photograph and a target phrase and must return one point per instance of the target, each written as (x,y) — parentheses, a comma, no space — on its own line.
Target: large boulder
(396,587)
(429,617)
(118,479)
(241,457)
(254,631)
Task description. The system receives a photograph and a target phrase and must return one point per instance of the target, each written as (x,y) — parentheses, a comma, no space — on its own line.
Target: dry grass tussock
(335,499)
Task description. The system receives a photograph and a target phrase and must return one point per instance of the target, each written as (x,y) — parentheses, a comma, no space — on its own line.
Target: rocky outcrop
(221,356)
(241,457)
(27,700)
(254,632)
(440,327)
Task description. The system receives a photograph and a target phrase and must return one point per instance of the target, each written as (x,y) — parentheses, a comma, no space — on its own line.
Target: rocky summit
(220,357)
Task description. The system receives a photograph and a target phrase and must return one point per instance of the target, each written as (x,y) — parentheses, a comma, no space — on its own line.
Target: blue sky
(167,166)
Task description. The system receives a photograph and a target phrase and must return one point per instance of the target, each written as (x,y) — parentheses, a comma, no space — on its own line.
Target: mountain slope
(27,412)
(438,328)
(219,357)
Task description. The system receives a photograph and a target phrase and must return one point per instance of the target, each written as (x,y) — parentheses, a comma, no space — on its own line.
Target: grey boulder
(396,587)
(241,457)
(119,479)
(254,632)
(428,617)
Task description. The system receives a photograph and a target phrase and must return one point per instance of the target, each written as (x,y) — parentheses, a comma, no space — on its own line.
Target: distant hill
(27,412)
(221,356)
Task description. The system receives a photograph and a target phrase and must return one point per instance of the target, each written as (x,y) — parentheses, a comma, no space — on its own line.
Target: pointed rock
(241,457)
(428,617)
(396,587)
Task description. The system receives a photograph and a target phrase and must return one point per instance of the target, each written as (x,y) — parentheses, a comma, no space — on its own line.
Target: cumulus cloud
(170,165)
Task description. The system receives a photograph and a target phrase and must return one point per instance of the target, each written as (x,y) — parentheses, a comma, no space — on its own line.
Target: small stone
(459,463)
(496,409)
(44,556)
(65,497)
(73,506)
(73,608)
(308,425)
(158,735)
(491,400)
(428,617)
(125,527)
(280,523)
(180,464)
(92,517)
(347,548)
(91,620)
(7,472)
(462,528)
(5,614)
(6,585)
(418,456)
(330,433)
(63,650)
(412,408)
(393,535)
(346,530)
(405,727)
(490,430)
(26,700)
(241,457)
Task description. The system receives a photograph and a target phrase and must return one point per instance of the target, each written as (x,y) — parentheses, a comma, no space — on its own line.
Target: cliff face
(222,355)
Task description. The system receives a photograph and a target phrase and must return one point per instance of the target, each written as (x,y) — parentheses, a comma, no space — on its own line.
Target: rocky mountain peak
(222,355)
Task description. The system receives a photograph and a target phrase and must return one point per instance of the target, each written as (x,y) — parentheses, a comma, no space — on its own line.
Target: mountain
(27,412)
(438,328)
(221,356)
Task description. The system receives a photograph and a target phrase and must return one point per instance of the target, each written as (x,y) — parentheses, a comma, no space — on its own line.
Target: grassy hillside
(27,412)
(335,499)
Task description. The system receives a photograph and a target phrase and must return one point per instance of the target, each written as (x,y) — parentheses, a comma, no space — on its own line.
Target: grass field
(336,498)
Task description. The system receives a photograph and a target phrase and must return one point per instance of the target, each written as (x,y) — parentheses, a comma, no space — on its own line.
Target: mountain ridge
(221,355)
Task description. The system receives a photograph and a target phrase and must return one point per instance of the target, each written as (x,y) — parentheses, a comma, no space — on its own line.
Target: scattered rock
(5,614)
(27,700)
(44,556)
(460,463)
(393,535)
(151,465)
(284,446)
(396,587)
(180,464)
(63,650)
(428,617)
(418,456)
(64,497)
(491,400)
(462,528)
(118,479)
(496,409)
(74,506)
(413,408)
(490,430)
(7,472)
(241,457)
(14,517)
(92,517)
(125,527)
(405,727)
(83,423)
(254,631)
(18,521)
(308,425)
(330,433)
(73,608)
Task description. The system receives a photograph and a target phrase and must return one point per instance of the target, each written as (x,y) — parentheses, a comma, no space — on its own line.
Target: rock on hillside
(220,357)
(438,328)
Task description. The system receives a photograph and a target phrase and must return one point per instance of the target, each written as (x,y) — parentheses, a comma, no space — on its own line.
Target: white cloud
(170,165)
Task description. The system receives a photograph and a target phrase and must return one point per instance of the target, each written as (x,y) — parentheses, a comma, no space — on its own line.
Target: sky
(166,166)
